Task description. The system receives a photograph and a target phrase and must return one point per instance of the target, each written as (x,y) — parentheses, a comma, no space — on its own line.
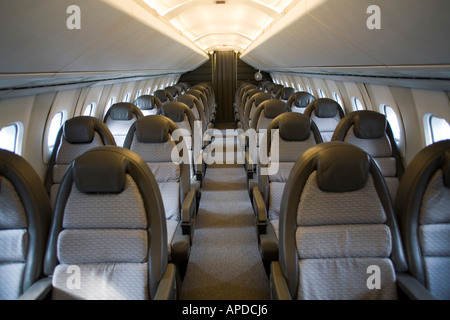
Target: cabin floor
(225,263)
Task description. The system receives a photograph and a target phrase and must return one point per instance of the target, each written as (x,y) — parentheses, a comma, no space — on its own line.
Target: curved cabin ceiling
(218,25)
(130,38)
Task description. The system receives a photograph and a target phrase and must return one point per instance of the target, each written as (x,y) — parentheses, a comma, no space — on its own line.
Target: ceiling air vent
(220,1)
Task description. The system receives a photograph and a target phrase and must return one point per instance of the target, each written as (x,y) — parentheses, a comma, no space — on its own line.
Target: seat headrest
(147,102)
(326,108)
(174,110)
(286,93)
(342,168)
(187,99)
(293,126)
(121,111)
(446,168)
(79,130)
(153,129)
(261,97)
(273,108)
(369,124)
(162,95)
(303,99)
(100,172)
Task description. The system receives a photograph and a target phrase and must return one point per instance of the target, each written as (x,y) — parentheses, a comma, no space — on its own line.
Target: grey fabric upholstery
(331,240)
(119,119)
(370,131)
(299,101)
(172,173)
(24,223)
(75,137)
(112,235)
(422,205)
(327,114)
(148,104)
(184,119)
(291,134)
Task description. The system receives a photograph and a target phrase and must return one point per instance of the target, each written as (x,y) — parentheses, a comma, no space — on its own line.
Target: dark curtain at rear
(225,83)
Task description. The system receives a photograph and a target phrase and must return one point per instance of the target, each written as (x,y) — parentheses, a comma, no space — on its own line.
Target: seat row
(151,143)
(329,196)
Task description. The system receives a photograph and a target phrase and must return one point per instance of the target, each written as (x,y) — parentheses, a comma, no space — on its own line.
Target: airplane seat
(370,131)
(163,95)
(152,138)
(326,113)
(239,103)
(174,91)
(421,204)
(246,97)
(268,87)
(148,104)
(252,105)
(201,96)
(275,89)
(25,213)
(338,234)
(288,136)
(207,99)
(119,119)
(285,93)
(299,101)
(184,119)
(76,136)
(262,84)
(264,114)
(108,237)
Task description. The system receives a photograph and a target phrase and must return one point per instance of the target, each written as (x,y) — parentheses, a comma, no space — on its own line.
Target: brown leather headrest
(100,172)
(79,130)
(147,102)
(153,129)
(293,126)
(303,99)
(121,111)
(342,168)
(369,124)
(174,110)
(326,108)
(273,108)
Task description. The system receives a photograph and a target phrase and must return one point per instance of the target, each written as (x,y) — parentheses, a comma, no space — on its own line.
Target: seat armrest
(412,288)
(39,290)
(260,211)
(278,286)
(167,285)
(188,211)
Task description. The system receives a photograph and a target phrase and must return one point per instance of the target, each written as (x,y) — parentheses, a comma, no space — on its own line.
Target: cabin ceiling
(138,38)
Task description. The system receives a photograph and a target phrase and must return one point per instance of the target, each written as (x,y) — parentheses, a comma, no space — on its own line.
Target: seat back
(163,95)
(75,137)
(252,105)
(339,237)
(174,91)
(119,119)
(299,101)
(148,104)
(108,237)
(24,223)
(326,113)
(151,138)
(291,134)
(285,93)
(422,203)
(370,131)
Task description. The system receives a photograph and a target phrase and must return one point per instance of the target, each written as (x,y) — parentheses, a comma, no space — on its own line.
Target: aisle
(225,263)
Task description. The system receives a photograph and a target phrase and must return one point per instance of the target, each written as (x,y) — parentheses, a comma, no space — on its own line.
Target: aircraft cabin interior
(226,150)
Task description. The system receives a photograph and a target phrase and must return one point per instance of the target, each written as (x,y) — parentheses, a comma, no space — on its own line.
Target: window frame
(18,136)
(384,110)
(429,132)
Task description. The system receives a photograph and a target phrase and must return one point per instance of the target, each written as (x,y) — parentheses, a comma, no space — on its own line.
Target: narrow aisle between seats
(225,262)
